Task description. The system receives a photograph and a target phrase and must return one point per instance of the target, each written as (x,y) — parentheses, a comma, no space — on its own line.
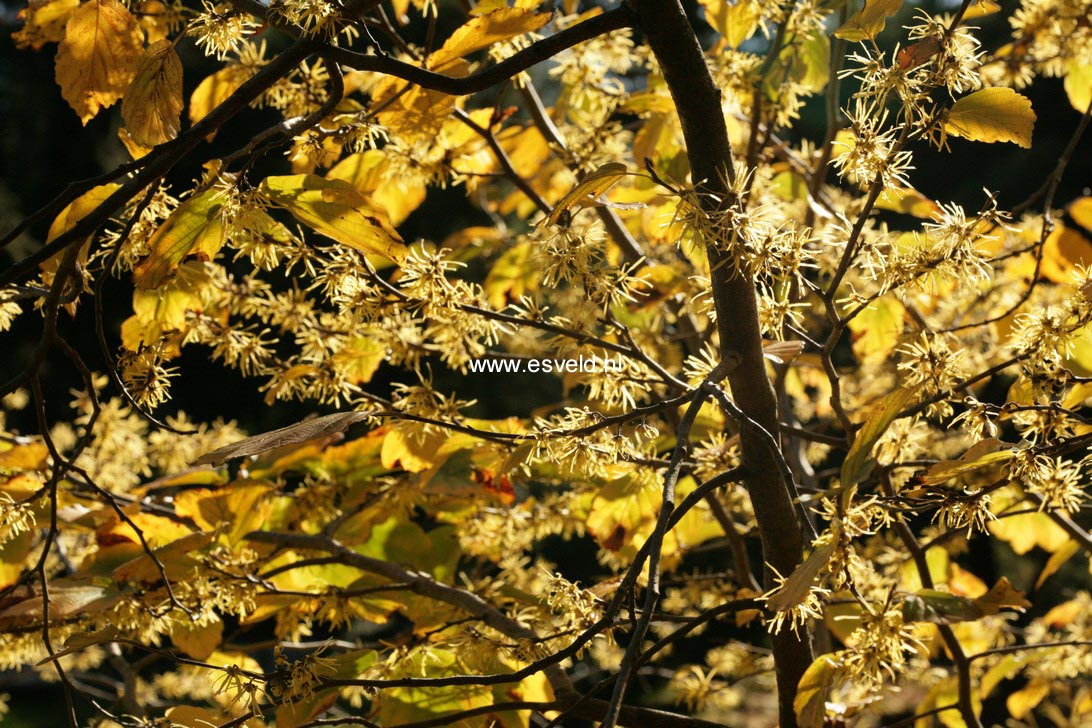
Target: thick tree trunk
(698,102)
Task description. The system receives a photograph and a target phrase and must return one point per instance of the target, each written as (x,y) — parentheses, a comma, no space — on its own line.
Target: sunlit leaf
(877,328)
(98,56)
(869,21)
(485,30)
(857,464)
(992,115)
(197,641)
(798,585)
(1078,85)
(194,230)
(1023,701)
(371,174)
(43,22)
(152,106)
(735,20)
(335,209)
(215,89)
(587,191)
(813,691)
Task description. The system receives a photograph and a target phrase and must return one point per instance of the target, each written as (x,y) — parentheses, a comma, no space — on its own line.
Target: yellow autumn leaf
(812,692)
(980,9)
(152,105)
(98,56)
(1078,85)
(195,229)
(369,173)
(876,329)
(43,22)
(215,89)
(992,115)
(197,641)
(1023,701)
(78,209)
(1068,248)
(335,209)
(515,274)
(735,21)
(868,22)
(1025,531)
(587,190)
(485,30)
(908,201)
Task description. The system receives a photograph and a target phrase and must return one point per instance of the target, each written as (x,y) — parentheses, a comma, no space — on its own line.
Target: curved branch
(536,53)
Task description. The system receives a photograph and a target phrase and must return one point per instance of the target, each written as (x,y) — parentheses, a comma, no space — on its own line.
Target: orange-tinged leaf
(1066,250)
(335,209)
(992,115)
(868,22)
(908,201)
(485,30)
(152,106)
(195,229)
(1064,614)
(98,56)
(980,9)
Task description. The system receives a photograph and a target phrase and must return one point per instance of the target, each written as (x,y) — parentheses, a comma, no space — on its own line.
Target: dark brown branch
(698,102)
(532,55)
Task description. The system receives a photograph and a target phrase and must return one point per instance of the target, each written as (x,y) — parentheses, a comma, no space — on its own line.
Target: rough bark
(698,101)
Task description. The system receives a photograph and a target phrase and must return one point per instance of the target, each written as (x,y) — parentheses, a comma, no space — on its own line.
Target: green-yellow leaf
(98,56)
(857,464)
(335,209)
(152,106)
(588,190)
(992,115)
(194,230)
(868,22)
(810,703)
